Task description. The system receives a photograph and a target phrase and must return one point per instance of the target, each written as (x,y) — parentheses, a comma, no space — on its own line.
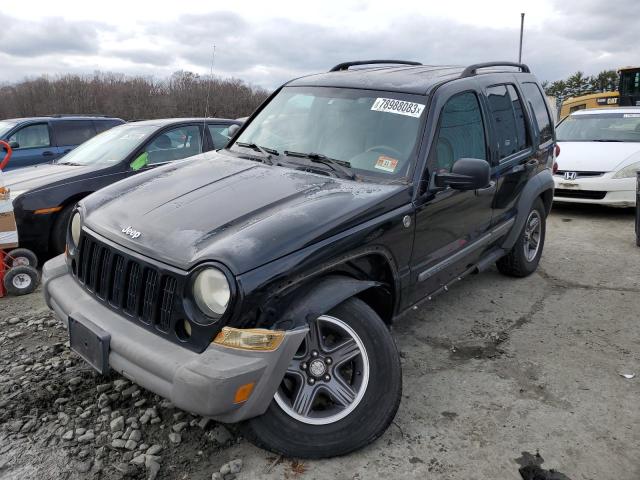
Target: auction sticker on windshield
(399,107)
(387,164)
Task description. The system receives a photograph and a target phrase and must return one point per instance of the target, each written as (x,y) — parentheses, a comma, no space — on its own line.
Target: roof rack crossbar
(472,70)
(64,115)
(346,65)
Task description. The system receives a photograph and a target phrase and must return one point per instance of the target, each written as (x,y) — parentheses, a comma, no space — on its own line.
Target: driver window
(461,132)
(175,144)
(32,136)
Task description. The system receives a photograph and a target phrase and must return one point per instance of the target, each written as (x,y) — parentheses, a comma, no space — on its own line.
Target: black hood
(238,212)
(45,175)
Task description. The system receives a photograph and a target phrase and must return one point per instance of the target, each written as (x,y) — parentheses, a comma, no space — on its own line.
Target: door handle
(488,190)
(47,153)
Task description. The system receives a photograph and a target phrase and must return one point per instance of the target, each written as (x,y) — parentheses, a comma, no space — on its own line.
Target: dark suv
(258,283)
(37,140)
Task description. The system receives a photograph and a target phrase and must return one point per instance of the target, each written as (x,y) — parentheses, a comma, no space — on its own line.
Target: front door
(451,223)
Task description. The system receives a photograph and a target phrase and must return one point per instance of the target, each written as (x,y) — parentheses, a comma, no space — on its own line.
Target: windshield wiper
(267,152)
(607,140)
(339,166)
(70,163)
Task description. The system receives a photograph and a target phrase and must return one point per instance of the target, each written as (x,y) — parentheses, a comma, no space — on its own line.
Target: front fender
(535,187)
(319,298)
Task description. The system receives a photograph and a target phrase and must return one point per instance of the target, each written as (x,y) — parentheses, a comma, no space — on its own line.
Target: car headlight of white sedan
(628,171)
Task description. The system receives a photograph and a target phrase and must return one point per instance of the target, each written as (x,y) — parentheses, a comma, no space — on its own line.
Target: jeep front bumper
(202,383)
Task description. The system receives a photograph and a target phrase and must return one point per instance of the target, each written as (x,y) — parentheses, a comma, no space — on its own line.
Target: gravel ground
(501,376)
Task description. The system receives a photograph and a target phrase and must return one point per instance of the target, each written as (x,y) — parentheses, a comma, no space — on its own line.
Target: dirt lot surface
(499,375)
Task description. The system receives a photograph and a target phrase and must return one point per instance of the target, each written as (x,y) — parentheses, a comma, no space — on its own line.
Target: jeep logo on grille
(133,233)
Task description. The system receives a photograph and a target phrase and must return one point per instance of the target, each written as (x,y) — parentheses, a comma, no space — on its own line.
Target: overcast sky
(268,42)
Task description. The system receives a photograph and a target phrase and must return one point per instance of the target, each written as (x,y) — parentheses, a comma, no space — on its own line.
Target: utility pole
(521,31)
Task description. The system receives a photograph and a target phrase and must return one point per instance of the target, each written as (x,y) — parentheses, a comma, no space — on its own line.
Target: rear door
(513,156)
(71,133)
(451,224)
(34,146)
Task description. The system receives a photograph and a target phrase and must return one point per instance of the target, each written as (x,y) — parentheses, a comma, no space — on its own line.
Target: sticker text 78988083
(400,107)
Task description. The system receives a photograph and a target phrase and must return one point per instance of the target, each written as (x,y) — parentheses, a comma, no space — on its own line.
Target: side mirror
(466,174)
(14,144)
(232,130)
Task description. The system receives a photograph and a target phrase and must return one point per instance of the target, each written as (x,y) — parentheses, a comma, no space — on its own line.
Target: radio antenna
(206,105)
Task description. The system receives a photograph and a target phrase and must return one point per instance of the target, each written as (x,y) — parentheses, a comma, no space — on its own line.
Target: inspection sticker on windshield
(387,164)
(399,107)
(631,115)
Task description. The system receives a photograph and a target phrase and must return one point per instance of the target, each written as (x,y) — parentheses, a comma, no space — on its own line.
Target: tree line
(580,84)
(183,94)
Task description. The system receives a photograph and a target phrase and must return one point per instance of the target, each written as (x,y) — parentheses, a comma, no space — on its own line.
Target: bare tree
(183,94)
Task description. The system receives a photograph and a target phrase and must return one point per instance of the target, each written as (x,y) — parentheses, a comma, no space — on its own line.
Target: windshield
(5,126)
(112,146)
(605,127)
(630,83)
(375,132)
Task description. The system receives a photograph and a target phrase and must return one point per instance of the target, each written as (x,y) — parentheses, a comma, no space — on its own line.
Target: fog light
(250,338)
(183,330)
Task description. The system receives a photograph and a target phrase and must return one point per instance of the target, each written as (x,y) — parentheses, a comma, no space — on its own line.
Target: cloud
(267,51)
(49,36)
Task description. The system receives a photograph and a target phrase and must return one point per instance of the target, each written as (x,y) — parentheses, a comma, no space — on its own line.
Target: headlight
(211,292)
(75,227)
(628,171)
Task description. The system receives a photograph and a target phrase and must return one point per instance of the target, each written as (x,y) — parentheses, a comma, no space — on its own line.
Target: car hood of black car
(41,176)
(239,212)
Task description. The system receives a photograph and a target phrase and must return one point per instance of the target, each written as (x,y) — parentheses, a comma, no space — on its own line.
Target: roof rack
(63,115)
(346,65)
(472,70)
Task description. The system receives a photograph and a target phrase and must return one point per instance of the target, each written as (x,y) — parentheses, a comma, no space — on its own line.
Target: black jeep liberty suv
(258,284)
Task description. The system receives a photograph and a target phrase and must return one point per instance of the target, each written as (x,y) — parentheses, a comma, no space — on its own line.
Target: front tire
(341,391)
(524,257)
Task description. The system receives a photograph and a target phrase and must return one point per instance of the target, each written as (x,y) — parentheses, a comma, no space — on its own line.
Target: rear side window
(32,136)
(461,132)
(538,105)
(219,135)
(73,132)
(104,125)
(508,119)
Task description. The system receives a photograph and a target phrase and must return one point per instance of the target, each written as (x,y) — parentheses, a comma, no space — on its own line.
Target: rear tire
(358,414)
(21,257)
(58,238)
(524,257)
(21,280)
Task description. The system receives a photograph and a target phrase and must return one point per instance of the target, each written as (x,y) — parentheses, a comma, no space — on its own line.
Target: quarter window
(32,136)
(539,107)
(508,119)
(73,132)
(461,132)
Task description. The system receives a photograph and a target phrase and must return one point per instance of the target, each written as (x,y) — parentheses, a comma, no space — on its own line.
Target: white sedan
(599,157)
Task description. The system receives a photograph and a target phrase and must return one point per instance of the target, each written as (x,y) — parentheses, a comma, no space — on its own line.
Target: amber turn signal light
(243,393)
(249,338)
